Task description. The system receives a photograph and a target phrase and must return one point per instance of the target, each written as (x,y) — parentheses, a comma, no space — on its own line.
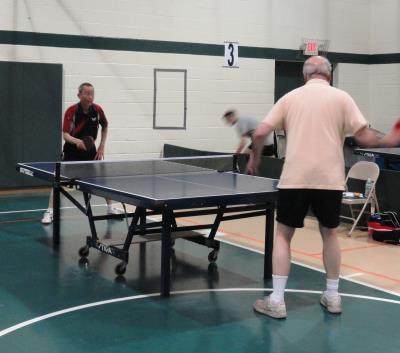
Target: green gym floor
(51,303)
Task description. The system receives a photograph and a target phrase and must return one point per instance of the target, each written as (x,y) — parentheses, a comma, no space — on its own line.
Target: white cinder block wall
(384,80)
(376,88)
(354,79)
(124,79)
(384,95)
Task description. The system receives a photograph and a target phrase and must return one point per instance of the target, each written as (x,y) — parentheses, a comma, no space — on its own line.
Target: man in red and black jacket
(81,121)
(80,130)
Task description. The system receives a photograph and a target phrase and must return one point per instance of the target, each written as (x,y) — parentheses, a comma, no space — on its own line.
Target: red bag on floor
(384,227)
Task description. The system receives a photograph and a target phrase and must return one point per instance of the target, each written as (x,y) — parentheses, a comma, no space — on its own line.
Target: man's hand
(242,144)
(392,138)
(258,139)
(100,153)
(100,150)
(252,165)
(80,145)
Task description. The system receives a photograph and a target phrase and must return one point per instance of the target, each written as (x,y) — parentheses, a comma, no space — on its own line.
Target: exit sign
(311,48)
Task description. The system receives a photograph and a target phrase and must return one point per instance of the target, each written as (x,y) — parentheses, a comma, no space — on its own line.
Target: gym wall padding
(30,118)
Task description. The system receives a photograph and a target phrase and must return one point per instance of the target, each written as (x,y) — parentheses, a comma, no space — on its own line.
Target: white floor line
(347,278)
(61,312)
(136,297)
(44,209)
(353,275)
(221,234)
(316,269)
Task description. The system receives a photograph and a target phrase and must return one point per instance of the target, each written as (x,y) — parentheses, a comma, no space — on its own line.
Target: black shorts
(293,205)
(76,157)
(72,154)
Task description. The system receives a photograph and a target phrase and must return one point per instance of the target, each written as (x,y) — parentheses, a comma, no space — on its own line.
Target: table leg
(56,206)
(166,253)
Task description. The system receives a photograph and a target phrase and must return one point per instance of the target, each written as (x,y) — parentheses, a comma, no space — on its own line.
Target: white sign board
(231,54)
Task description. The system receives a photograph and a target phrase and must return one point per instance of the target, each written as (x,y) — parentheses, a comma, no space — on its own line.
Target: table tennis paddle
(88,142)
(90,146)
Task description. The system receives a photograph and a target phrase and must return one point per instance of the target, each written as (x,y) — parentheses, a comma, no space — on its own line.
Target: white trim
(354,275)
(79,182)
(100,187)
(104,188)
(44,209)
(130,160)
(212,187)
(117,300)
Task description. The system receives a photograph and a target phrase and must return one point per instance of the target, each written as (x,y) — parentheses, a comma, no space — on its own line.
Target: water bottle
(368,187)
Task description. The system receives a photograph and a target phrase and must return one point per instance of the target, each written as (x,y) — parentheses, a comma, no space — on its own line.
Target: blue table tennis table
(170,187)
(390,156)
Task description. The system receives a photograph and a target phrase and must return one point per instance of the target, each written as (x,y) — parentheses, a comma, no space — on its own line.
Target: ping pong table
(389,155)
(171,188)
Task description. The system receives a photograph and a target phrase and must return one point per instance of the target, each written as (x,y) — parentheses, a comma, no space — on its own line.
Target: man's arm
(366,137)
(74,141)
(259,136)
(242,144)
(100,150)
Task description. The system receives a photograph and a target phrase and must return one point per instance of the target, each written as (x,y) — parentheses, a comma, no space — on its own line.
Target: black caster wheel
(120,269)
(120,279)
(212,267)
(84,251)
(83,262)
(213,256)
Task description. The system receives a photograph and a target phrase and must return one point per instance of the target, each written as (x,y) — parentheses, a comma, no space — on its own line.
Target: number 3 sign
(231,54)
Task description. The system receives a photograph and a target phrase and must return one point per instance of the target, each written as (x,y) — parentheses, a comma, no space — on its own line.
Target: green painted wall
(154,46)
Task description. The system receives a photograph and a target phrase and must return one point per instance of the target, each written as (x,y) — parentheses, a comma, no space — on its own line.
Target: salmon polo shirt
(316,118)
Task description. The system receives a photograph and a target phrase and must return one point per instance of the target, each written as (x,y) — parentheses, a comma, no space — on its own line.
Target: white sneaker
(47,217)
(114,210)
(332,304)
(267,307)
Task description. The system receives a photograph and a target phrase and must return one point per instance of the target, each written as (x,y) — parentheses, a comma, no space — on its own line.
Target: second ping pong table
(388,155)
(170,187)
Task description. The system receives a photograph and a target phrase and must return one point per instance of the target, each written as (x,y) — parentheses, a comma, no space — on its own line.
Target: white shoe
(267,307)
(114,210)
(47,217)
(332,304)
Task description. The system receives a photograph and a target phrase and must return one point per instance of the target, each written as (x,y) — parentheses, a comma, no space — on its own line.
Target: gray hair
(323,68)
(84,84)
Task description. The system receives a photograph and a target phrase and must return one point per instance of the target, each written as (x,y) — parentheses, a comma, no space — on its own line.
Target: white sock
(109,206)
(50,210)
(332,287)
(278,285)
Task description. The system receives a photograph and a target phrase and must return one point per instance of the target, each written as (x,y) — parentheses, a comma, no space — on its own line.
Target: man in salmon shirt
(316,118)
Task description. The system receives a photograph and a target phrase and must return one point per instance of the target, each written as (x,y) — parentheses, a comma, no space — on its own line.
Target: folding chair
(363,171)
(280,143)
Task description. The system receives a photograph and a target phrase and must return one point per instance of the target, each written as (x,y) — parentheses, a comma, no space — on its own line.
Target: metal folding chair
(362,171)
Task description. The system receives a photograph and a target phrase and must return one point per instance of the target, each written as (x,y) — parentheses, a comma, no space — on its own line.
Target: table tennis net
(211,164)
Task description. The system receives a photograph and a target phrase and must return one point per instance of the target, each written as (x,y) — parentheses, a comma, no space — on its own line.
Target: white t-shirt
(246,126)
(316,118)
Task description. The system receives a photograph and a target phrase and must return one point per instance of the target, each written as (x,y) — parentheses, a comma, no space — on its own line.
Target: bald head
(317,67)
